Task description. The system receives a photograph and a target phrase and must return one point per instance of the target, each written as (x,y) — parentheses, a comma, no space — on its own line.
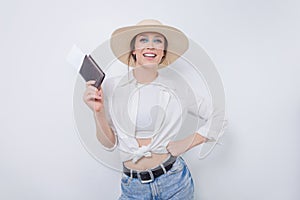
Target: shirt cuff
(204,133)
(111,148)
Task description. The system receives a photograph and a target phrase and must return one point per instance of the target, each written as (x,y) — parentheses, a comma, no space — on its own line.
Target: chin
(150,65)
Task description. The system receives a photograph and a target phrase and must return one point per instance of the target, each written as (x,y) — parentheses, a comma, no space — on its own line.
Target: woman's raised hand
(93,97)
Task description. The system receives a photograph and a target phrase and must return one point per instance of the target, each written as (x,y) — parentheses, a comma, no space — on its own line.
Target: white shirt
(148,109)
(174,102)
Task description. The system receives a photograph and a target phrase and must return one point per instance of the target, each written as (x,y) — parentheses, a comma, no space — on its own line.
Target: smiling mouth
(149,55)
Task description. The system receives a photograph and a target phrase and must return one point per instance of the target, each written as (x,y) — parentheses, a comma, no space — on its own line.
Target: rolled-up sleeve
(203,112)
(211,122)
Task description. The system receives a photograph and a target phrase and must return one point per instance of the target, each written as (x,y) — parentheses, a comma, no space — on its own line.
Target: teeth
(149,55)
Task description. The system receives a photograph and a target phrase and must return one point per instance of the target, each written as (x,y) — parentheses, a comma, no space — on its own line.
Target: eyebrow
(160,36)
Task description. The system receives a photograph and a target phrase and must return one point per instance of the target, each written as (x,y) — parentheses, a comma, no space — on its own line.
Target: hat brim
(121,38)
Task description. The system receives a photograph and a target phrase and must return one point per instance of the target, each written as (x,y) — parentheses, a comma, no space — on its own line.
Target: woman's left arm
(176,148)
(207,132)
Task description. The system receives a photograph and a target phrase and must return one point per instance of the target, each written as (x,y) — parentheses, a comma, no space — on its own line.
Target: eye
(143,40)
(157,40)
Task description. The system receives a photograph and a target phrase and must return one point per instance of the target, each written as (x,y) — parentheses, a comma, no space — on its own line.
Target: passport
(90,70)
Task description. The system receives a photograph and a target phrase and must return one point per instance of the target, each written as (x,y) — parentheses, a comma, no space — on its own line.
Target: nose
(150,45)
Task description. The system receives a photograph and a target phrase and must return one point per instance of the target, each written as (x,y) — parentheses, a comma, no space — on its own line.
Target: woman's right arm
(94,98)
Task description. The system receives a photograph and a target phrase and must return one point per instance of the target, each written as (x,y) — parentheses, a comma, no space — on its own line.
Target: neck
(145,75)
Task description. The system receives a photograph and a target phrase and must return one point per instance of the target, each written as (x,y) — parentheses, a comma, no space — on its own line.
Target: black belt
(149,175)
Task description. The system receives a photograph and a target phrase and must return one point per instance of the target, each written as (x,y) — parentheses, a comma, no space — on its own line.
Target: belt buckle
(146,181)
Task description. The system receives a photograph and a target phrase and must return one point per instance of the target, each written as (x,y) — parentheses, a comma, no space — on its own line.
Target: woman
(140,114)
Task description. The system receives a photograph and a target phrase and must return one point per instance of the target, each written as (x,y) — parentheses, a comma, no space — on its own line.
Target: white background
(254,45)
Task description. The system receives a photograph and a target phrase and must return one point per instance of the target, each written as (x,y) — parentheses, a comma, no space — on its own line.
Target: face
(149,49)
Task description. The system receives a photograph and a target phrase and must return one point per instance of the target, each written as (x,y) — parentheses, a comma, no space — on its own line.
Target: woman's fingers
(93,97)
(89,83)
(92,88)
(90,91)
(99,92)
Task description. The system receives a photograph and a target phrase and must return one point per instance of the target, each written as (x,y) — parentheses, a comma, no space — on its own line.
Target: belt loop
(163,167)
(131,176)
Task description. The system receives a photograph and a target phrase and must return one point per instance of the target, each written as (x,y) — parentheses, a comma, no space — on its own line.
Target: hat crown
(149,22)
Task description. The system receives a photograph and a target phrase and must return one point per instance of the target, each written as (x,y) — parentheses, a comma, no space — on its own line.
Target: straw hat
(121,38)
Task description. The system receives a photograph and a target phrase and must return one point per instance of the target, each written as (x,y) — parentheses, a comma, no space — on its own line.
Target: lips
(149,55)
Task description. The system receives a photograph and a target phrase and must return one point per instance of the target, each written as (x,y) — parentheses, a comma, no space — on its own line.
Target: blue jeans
(177,183)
